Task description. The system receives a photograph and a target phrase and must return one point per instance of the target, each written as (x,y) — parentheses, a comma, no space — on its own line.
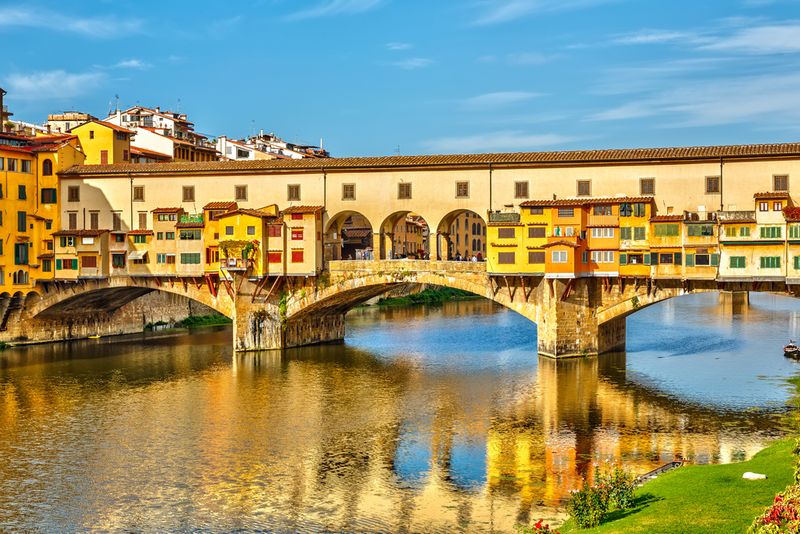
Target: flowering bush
(588,506)
(619,486)
(782,516)
(537,528)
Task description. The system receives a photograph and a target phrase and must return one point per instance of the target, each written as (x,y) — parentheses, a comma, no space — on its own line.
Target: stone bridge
(573,316)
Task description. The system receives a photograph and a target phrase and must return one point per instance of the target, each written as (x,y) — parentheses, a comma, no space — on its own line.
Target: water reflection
(427,419)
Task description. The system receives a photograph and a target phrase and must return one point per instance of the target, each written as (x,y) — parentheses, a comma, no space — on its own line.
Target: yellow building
(250,241)
(104,143)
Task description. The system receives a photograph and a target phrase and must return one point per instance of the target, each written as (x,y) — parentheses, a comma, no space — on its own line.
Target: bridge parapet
(376,266)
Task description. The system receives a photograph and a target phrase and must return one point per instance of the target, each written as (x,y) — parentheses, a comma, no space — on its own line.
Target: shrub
(782,516)
(537,528)
(619,485)
(588,506)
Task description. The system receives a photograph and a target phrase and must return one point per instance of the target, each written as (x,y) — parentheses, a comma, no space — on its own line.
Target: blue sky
(377,77)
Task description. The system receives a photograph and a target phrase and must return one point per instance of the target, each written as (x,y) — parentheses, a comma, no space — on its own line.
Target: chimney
(2,110)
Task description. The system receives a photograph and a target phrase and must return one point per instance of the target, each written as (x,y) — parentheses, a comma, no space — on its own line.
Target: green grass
(204,320)
(428,296)
(703,498)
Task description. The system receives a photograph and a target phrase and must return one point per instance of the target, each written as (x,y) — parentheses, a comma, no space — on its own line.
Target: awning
(137,255)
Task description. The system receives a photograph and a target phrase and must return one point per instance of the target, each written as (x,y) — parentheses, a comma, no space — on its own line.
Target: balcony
(503,217)
(235,264)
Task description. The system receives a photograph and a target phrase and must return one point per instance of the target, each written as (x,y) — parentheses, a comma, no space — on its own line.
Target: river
(426,419)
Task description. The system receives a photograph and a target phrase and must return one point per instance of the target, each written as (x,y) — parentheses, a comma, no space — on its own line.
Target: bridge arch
(460,232)
(405,234)
(349,234)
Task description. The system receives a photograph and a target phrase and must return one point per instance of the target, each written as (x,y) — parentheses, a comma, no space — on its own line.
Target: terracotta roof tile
(583,201)
(303,209)
(772,194)
(140,232)
(560,242)
(666,218)
(221,205)
(80,233)
(167,210)
(190,224)
(530,158)
(245,211)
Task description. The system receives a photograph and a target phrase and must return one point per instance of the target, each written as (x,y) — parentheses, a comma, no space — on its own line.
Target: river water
(424,420)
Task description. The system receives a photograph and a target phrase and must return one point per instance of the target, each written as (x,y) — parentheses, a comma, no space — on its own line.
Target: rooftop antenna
(178,108)
(397,150)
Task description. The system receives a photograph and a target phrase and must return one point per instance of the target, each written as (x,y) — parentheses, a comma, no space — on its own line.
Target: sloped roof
(623,155)
(583,201)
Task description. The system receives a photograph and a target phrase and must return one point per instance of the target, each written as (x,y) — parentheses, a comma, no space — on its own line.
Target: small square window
(348,191)
(293,192)
(584,188)
(188,193)
(712,184)
(521,190)
(404,191)
(240,193)
(780,182)
(462,189)
(138,193)
(647,186)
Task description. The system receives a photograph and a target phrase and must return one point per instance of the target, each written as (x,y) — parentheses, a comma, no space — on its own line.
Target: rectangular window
(251,230)
(94,220)
(20,254)
(794,231)
(777,206)
(67,241)
(585,257)
(47,266)
(116,221)
(536,211)
(348,191)
(159,237)
(506,258)
(88,262)
(763,206)
(770,262)
(506,233)
(274,230)
(602,210)
(73,193)
(536,231)
(274,257)
(190,235)
(738,262)
(780,182)
(521,190)
(625,233)
(603,256)
(229,230)
(297,216)
(138,193)
(23,195)
(297,256)
(240,193)
(119,238)
(584,188)
(48,195)
(190,258)
(169,236)
(118,261)
(22,218)
(26,165)
(639,209)
(72,221)
(462,189)
(535,257)
(142,220)
(702,259)
(665,259)
(297,234)
(640,233)
(666,230)
(12,165)
(404,191)
(603,232)
(700,230)
(566,212)
(647,186)
(771,232)
(188,193)
(744,231)
(139,238)
(293,192)
(559,256)
(712,184)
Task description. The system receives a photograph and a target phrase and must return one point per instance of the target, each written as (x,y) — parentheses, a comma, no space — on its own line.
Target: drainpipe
(490,186)
(130,179)
(721,204)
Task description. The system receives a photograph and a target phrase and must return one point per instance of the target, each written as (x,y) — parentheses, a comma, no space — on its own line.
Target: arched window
(473,244)
(47,168)
(473,229)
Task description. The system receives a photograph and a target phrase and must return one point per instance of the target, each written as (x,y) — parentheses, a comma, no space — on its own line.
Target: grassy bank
(703,498)
(428,296)
(203,320)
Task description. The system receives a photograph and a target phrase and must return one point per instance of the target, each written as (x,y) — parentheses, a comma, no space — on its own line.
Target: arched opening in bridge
(349,236)
(461,235)
(405,234)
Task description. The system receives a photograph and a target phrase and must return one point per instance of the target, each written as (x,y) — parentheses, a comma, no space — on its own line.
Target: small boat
(94,336)
(792,350)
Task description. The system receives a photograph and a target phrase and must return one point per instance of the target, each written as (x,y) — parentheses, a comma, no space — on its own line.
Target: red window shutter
(297,256)
(274,257)
(297,216)
(104,157)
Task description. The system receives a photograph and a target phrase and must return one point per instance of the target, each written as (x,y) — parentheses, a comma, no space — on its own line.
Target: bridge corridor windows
(405,234)
(349,236)
(461,234)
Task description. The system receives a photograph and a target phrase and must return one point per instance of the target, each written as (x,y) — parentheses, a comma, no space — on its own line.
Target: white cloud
(500,11)
(650,36)
(336,7)
(504,140)
(765,39)
(132,63)
(51,85)
(500,99)
(413,63)
(398,46)
(99,27)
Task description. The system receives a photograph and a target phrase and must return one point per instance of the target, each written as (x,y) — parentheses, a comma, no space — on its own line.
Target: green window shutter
(763,232)
(677,258)
(75,265)
(623,258)
(639,233)
(690,260)
(797,262)
(763,261)
(58,265)
(692,230)
(778,232)
(625,232)
(646,259)
(744,231)
(654,258)
(714,260)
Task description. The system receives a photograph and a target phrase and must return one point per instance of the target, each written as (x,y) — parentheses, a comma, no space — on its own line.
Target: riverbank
(436,295)
(703,498)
